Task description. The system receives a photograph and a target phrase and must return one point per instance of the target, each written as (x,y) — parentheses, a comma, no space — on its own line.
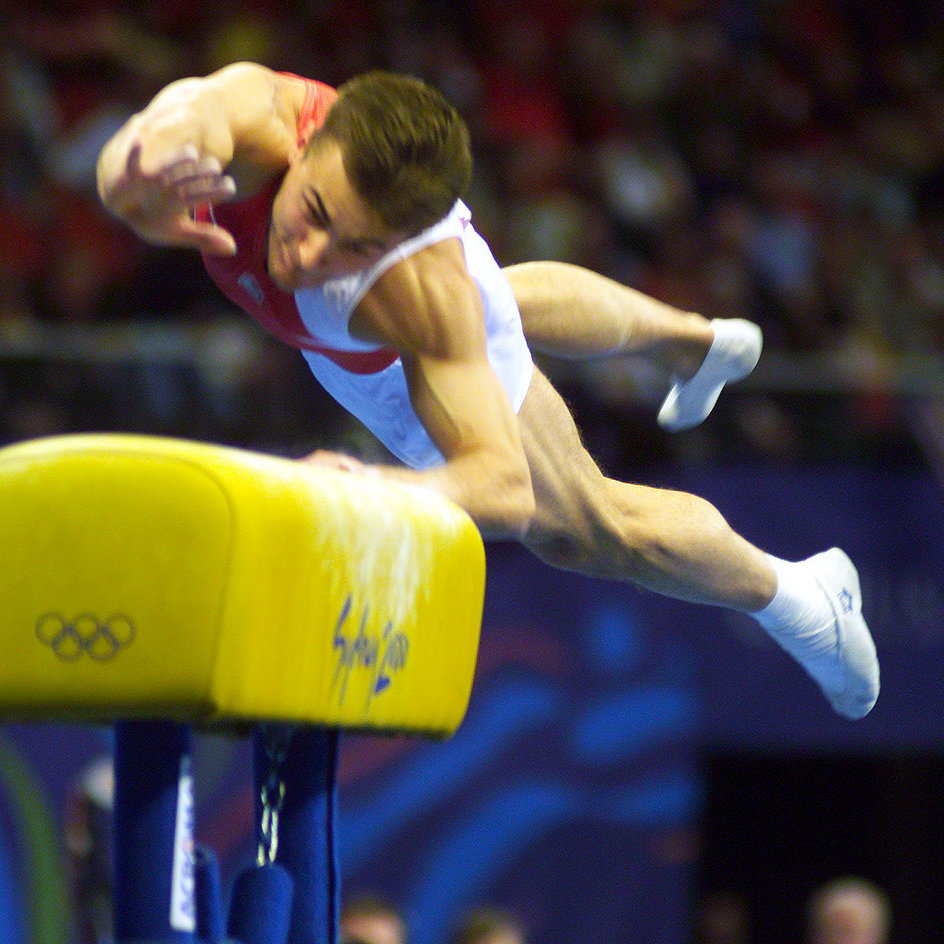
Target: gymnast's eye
(357,248)
(315,215)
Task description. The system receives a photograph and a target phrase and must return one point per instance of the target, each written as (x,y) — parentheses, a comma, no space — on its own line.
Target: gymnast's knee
(573,539)
(614,533)
(560,551)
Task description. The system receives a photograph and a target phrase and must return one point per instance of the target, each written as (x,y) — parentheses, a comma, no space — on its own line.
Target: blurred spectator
(487,925)
(369,918)
(723,919)
(849,910)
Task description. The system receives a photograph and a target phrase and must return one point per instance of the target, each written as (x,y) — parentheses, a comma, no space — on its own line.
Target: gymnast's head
(391,159)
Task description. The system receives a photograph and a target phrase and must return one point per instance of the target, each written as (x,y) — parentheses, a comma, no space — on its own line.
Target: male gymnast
(335,219)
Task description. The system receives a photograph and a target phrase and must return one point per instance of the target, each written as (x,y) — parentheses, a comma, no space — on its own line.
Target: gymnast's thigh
(568,484)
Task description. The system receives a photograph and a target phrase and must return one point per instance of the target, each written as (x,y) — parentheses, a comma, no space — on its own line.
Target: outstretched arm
(428,309)
(199,141)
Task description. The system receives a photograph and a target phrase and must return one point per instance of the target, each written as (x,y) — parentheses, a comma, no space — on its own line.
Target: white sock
(816,616)
(801,620)
(799,606)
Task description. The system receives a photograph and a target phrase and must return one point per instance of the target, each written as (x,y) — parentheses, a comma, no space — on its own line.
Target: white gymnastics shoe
(840,656)
(733,354)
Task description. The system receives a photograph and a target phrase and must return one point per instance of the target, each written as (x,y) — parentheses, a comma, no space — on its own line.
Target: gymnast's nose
(313,251)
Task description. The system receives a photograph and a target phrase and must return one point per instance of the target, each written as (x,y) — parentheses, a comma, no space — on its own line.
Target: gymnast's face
(320,228)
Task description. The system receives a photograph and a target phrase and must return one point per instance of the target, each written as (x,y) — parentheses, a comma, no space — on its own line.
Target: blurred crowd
(776,159)
(369,918)
(847,909)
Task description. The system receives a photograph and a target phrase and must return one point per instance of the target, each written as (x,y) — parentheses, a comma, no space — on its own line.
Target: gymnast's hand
(156,187)
(327,459)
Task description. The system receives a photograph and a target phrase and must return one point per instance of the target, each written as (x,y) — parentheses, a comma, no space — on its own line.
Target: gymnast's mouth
(283,267)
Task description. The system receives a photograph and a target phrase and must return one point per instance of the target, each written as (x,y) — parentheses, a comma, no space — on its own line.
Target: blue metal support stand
(166,891)
(153,833)
(307,829)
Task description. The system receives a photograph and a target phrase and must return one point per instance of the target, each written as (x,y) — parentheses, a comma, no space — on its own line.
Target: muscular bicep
(462,404)
(261,109)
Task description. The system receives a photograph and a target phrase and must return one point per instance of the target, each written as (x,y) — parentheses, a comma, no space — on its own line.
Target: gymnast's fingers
(325,458)
(208,189)
(193,180)
(207,237)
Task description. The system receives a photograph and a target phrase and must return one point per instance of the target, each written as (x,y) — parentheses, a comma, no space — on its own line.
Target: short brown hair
(404,147)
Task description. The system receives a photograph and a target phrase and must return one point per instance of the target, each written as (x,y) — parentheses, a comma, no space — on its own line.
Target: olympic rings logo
(85,635)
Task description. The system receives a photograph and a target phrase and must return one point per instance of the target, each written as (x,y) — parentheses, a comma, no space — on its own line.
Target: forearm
(571,312)
(500,502)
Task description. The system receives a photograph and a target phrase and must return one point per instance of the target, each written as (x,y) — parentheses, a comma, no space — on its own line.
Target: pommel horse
(161,585)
